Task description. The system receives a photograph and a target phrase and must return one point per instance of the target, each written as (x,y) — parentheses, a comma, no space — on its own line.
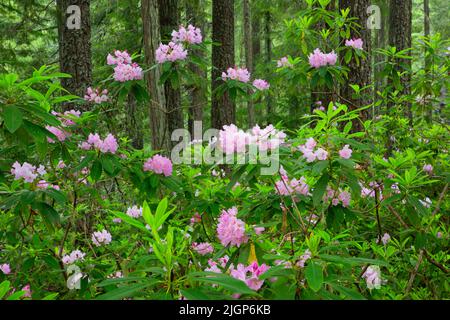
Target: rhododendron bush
(355,209)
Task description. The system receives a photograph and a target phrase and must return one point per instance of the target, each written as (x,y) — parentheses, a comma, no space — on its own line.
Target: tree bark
(133,123)
(358,74)
(169,20)
(157,106)
(248,57)
(197,91)
(223,109)
(75,57)
(426,33)
(400,37)
(256,36)
(268,44)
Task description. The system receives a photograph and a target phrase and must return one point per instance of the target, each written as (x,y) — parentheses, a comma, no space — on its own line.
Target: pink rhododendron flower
(120,57)
(27,290)
(303,258)
(170,52)
(25,171)
(230,229)
(284,62)
(252,280)
(127,72)
(319,59)
(101,238)
(61,165)
(345,198)
(61,135)
(355,43)
(95,95)
(428,168)
(134,212)
(159,165)
(190,35)
(345,152)
(287,187)
(321,154)
(261,84)
(5,268)
(373,277)
(73,257)
(259,230)
(117,220)
(94,141)
(239,74)
(196,218)
(203,248)
(385,238)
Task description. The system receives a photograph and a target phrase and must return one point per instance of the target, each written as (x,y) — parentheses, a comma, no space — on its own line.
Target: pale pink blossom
(284,62)
(60,134)
(191,35)
(96,95)
(319,59)
(428,168)
(159,165)
(203,248)
(345,152)
(230,229)
(101,238)
(5,268)
(239,74)
(134,212)
(261,84)
(355,43)
(170,52)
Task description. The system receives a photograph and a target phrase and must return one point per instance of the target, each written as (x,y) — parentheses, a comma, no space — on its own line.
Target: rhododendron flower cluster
(319,59)
(373,277)
(213,265)
(95,95)
(60,134)
(355,43)
(303,258)
(120,57)
(27,171)
(345,152)
(73,257)
(159,165)
(230,229)
(42,184)
(65,117)
(286,187)
(261,84)
(134,212)
(308,151)
(337,197)
(251,280)
(191,35)
(109,144)
(125,69)
(27,290)
(235,140)
(284,62)
(5,268)
(385,239)
(239,74)
(101,238)
(170,52)
(203,248)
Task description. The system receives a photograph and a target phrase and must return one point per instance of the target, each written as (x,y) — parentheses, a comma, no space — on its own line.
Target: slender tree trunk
(358,74)
(74,37)
(256,37)
(249,56)
(379,43)
(134,123)
(223,110)
(157,105)
(426,32)
(197,91)
(169,20)
(268,43)
(400,37)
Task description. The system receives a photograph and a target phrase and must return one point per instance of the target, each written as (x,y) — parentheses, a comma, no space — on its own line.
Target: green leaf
(352,260)
(13,118)
(319,189)
(96,170)
(194,294)
(226,281)
(349,293)
(4,288)
(130,221)
(314,276)
(125,291)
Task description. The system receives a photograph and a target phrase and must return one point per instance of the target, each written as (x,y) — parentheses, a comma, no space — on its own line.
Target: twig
(414,273)
(432,261)
(441,197)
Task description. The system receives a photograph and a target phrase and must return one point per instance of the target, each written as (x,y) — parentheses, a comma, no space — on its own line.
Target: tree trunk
(133,123)
(198,101)
(157,105)
(400,37)
(249,57)
(74,38)
(256,30)
(223,109)
(268,42)
(169,19)
(358,74)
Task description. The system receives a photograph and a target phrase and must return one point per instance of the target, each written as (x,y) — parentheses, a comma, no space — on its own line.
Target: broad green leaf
(314,275)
